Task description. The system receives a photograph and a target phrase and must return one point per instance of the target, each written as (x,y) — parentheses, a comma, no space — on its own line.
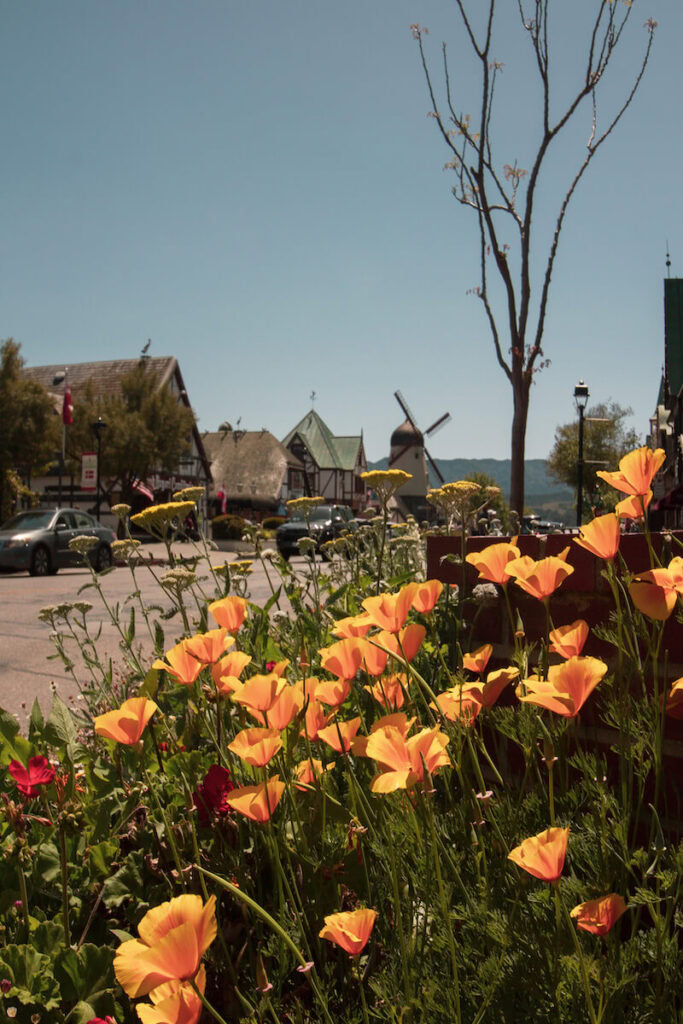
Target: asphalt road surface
(25,646)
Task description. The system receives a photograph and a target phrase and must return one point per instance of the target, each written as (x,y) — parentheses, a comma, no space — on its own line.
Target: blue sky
(256,186)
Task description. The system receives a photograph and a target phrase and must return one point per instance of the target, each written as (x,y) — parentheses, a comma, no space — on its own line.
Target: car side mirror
(60,526)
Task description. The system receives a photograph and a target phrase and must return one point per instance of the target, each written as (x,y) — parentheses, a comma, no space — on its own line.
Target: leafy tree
(497,502)
(29,436)
(604,443)
(515,263)
(148,429)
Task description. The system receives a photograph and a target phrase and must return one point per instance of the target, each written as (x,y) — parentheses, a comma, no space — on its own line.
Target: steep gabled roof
(326,450)
(249,464)
(105,375)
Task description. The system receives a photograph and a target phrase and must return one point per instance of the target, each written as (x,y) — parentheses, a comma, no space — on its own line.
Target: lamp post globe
(581,395)
(98,428)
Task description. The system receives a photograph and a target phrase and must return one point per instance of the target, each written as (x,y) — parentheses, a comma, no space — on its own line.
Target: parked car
(38,541)
(326,523)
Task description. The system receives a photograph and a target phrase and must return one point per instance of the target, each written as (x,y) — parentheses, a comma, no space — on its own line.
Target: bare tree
(504,197)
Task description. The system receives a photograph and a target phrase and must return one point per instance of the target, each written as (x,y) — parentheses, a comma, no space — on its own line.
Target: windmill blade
(404,405)
(438,424)
(434,466)
(398,455)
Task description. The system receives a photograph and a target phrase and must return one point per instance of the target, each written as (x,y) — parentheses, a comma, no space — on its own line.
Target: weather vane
(313,395)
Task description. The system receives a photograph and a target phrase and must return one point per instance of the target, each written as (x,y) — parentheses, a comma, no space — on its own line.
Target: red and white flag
(143,489)
(68,407)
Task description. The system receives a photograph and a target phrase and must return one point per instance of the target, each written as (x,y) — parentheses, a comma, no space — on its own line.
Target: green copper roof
(326,450)
(673,332)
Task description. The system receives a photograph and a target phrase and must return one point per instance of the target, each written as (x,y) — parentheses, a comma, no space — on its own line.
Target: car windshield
(28,521)
(320,512)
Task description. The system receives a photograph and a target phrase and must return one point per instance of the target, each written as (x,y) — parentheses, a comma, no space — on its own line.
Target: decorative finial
(313,397)
(668,260)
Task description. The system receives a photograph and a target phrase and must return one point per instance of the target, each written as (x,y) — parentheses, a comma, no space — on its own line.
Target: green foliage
(603,445)
(147,429)
(30,428)
(272,522)
(228,527)
(461,933)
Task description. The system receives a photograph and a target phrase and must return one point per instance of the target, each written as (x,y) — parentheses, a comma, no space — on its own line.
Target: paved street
(26,672)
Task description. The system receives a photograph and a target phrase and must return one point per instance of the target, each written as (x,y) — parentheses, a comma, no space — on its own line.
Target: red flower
(29,779)
(212,795)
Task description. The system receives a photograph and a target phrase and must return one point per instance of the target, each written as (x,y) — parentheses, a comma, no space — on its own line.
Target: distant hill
(544,496)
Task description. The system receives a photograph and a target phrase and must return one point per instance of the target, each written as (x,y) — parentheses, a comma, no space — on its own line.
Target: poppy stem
(366,1019)
(258,909)
(167,829)
(562,910)
(445,911)
(207,1005)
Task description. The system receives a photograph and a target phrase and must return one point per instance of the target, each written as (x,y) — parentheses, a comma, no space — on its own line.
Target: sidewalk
(191,549)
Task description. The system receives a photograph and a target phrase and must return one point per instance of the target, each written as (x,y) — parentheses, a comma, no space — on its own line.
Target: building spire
(668,260)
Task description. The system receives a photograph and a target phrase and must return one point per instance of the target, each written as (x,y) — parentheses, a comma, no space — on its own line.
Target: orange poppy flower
(127,724)
(599,916)
(488,693)
(352,626)
(390,691)
(259,693)
(309,772)
(350,929)
(229,612)
(173,938)
(492,562)
(568,641)
(374,659)
(343,658)
(405,759)
(278,668)
(636,471)
(390,611)
(333,692)
(209,647)
(654,593)
(176,1002)
(457,706)
(674,700)
(180,664)
(256,746)
(315,719)
(428,593)
(257,802)
(227,671)
(601,536)
(285,708)
(307,687)
(542,578)
(478,660)
(568,686)
(406,643)
(397,720)
(543,855)
(340,735)
(632,507)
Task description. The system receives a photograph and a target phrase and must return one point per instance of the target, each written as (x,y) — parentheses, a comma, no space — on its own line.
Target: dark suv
(326,523)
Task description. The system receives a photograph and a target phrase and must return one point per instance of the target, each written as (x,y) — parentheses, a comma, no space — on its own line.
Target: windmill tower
(408,452)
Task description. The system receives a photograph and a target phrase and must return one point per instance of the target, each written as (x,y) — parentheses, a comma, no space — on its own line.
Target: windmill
(408,452)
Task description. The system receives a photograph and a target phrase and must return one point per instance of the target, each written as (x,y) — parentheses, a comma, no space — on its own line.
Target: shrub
(228,527)
(272,522)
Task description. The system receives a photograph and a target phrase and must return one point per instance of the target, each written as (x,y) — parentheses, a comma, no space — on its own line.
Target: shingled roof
(327,450)
(105,375)
(249,464)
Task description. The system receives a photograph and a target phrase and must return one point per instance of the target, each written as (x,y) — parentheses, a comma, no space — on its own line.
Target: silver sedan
(37,541)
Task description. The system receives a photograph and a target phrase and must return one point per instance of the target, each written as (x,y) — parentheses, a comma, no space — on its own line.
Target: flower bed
(356,811)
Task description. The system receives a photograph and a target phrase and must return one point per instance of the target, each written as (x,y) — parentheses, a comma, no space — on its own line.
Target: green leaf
(12,745)
(126,884)
(87,975)
(31,975)
(272,600)
(159,637)
(150,684)
(46,863)
(60,729)
(48,936)
(101,857)
(130,632)
(36,723)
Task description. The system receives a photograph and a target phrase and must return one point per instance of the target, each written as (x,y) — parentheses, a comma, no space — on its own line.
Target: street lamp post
(581,394)
(98,428)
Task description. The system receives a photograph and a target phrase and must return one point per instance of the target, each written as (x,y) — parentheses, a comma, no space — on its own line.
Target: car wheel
(40,562)
(102,558)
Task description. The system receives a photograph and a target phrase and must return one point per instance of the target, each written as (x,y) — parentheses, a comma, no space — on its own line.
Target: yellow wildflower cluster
(194,494)
(304,504)
(385,482)
(158,519)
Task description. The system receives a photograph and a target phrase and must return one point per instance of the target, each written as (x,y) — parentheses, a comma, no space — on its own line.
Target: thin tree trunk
(520,397)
